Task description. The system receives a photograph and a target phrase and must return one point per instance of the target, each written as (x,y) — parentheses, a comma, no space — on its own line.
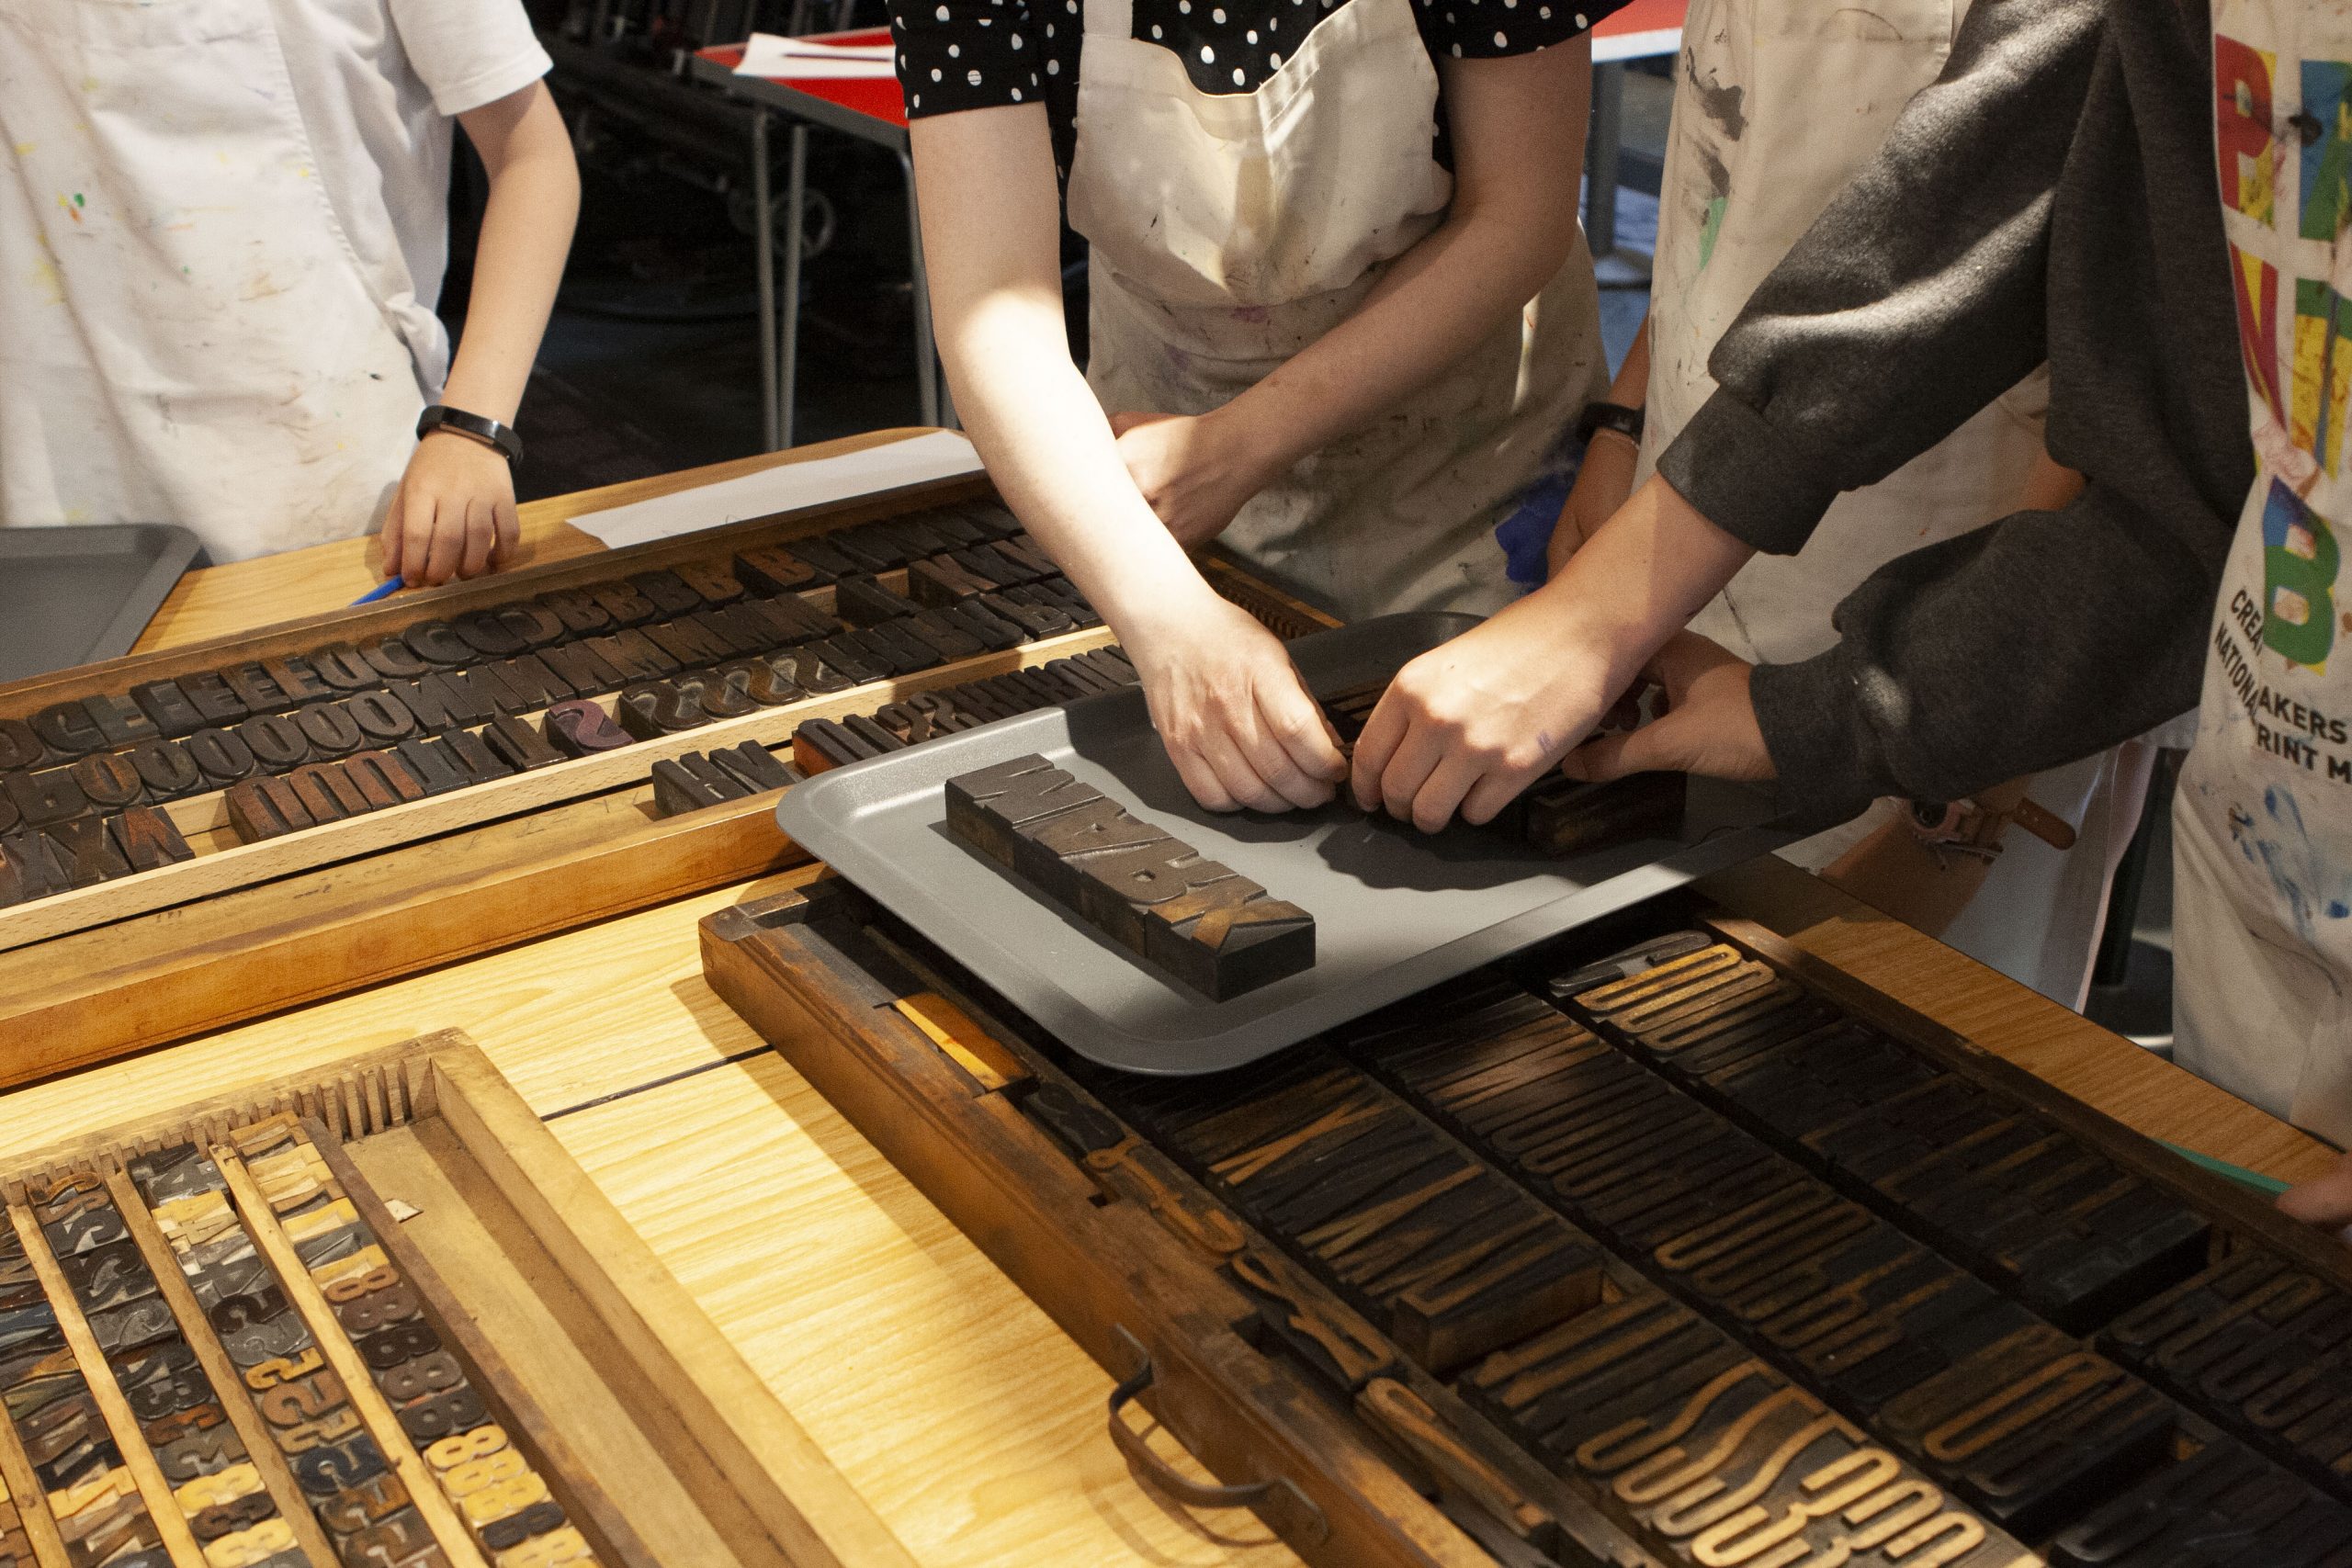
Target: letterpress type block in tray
(1395,911)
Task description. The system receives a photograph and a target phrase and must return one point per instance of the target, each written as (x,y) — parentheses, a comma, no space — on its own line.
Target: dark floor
(650,365)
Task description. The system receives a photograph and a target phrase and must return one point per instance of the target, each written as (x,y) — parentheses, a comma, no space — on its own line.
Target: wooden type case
(1404,1267)
(182,927)
(432,1339)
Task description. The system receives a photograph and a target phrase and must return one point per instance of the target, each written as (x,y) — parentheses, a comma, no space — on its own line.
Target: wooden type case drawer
(374,1319)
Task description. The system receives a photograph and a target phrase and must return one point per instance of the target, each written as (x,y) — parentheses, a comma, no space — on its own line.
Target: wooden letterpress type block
(910,725)
(519,744)
(1563,817)
(667,593)
(859,667)
(53,795)
(326,792)
(68,729)
(809,669)
(383,718)
(622,604)
(727,695)
(20,750)
(579,666)
(1073,604)
(256,688)
(581,726)
(165,707)
(765,684)
(1238,942)
(752,766)
(120,719)
(148,839)
(434,767)
(862,602)
(533,682)
(994,631)
(1081,677)
(995,518)
(919,537)
(955,529)
(912,653)
(297,679)
(109,781)
(943,635)
(873,734)
(991,809)
(382,779)
(330,729)
(85,852)
(788,621)
(29,868)
(634,654)
(985,568)
(211,696)
(774,569)
(437,706)
(689,645)
(737,629)
(439,644)
(534,625)
(873,547)
(1010,565)
(940,583)
(488,688)
(821,745)
(576,610)
(711,579)
(276,742)
(344,668)
(678,789)
(831,563)
(946,718)
(222,757)
(472,753)
(1036,615)
(483,635)
(10,818)
(391,657)
(656,709)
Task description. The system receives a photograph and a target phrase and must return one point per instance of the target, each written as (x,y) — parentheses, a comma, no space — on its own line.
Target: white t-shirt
(379,83)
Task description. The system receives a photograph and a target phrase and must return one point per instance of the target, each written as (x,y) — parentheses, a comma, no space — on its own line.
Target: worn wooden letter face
(1216,932)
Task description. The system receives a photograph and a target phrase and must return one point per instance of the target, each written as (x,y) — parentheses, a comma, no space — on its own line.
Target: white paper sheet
(769,55)
(940,454)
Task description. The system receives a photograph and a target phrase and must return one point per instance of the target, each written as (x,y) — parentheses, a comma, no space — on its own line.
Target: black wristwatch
(1625,422)
(488,432)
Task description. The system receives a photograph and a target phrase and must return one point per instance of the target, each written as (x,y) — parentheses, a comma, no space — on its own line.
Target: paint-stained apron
(1230,231)
(2262,910)
(1778,107)
(185,334)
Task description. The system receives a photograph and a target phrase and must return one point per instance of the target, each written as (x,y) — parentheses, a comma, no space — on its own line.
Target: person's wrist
(1252,438)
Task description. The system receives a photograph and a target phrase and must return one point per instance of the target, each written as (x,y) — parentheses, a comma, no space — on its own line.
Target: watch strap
(1599,415)
(488,432)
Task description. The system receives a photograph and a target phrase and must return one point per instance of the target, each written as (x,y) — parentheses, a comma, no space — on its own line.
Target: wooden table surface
(971,1424)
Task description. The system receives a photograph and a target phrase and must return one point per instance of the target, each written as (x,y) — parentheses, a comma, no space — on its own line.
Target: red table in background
(870,109)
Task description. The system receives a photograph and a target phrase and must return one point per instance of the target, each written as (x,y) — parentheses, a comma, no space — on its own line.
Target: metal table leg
(764,248)
(1601,155)
(796,190)
(927,376)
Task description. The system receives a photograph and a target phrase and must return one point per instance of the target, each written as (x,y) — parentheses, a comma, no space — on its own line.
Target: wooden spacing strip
(32,1503)
(162,1507)
(242,864)
(269,1239)
(228,1380)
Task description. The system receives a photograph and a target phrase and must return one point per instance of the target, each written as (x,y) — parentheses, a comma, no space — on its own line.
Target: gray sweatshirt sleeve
(2052,196)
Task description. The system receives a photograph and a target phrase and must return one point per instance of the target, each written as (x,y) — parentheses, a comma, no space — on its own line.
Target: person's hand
(1195,470)
(2326,1203)
(1469,725)
(1603,481)
(1229,705)
(1709,726)
(453,514)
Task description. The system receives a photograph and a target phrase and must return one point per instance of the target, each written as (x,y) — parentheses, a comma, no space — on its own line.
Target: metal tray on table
(77,594)
(1395,911)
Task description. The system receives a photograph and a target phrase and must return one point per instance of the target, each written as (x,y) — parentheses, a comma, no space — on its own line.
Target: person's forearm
(525,235)
(991,228)
(1630,387)
(1641,577)
(1509,228)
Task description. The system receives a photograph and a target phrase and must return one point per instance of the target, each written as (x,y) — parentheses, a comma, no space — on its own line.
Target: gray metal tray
(74,595)
(1395,912)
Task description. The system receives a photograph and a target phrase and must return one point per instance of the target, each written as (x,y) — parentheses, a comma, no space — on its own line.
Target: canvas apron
(1778,107)
(2262,919)
(1231,230)
(185,335)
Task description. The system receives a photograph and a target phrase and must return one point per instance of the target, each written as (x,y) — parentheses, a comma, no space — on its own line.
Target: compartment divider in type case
(493,1370)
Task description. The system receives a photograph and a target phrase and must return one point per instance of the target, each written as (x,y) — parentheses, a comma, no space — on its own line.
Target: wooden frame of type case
(243,930)
(659,1441)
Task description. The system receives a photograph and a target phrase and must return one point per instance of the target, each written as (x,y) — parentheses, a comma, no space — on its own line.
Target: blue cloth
(1525,536)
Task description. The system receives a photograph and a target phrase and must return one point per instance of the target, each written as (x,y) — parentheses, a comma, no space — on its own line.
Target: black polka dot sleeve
(970,54)
(1495,29)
